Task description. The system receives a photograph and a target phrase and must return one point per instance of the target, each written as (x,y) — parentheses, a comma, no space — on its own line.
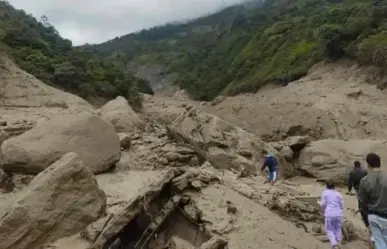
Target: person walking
(355,176)
(373,200)
(332,206)
(271,163)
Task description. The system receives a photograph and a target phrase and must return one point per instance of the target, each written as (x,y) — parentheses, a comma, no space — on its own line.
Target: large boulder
(334,158)
(287,153)
(224,145)
(93,139)
(120,114)
(60,201)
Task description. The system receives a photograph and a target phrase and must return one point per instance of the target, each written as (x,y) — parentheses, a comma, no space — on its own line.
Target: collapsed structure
(160,218)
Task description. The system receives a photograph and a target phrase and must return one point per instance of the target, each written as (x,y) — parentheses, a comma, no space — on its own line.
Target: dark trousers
(363,213)
(364,217)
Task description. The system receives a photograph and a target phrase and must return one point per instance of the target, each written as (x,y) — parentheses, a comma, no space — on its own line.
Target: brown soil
(336,99)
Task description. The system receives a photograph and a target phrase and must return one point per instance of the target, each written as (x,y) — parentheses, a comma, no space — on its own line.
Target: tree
(329,38)
(38,48)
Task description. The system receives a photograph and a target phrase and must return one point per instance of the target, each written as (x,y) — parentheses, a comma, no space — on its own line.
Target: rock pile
(153,149)
(306,215)
(224,145)
(168,188)
(189,155)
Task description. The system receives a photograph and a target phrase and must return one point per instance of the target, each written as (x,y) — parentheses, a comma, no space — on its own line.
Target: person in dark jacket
(355,176)
(373,200)
(271,163)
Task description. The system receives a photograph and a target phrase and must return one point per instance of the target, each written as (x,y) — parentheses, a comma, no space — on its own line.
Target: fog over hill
(83,22)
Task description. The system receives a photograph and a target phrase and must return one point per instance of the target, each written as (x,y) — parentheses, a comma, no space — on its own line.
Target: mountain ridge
(241,49)
(37,47)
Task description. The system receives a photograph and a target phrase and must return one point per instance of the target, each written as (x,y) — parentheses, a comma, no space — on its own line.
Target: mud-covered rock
(216,242)
(93,139)
(334,158)
(294,209)
(197,184)
(121,115)
(218,100)
(224,145)
(220,158)
(91,232)
(231,209)
(192,212)
(297,143)
(349,231)
(287,153)
(154,150)
(176,242)
(3,136)
(60,201)
(182,182)
(125,140)
(6,182)
(19,127)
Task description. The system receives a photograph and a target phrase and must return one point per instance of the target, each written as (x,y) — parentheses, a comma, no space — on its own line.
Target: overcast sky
(95,21)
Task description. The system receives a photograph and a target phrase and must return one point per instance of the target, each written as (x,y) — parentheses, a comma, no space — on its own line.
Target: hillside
(39,49)
(244,47)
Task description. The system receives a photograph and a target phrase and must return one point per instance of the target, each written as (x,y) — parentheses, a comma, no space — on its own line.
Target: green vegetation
(241,48)
(38,48)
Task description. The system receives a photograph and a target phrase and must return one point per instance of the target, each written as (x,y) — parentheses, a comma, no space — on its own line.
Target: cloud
(96,21)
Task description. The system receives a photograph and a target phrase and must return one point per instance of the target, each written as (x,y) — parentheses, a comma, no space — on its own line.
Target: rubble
(154,150)
(301,209)
(190,184)
(160,199)
(294,208)
(224,145)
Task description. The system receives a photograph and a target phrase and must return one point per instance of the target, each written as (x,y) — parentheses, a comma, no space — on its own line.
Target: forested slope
(244,47)
(38,48)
